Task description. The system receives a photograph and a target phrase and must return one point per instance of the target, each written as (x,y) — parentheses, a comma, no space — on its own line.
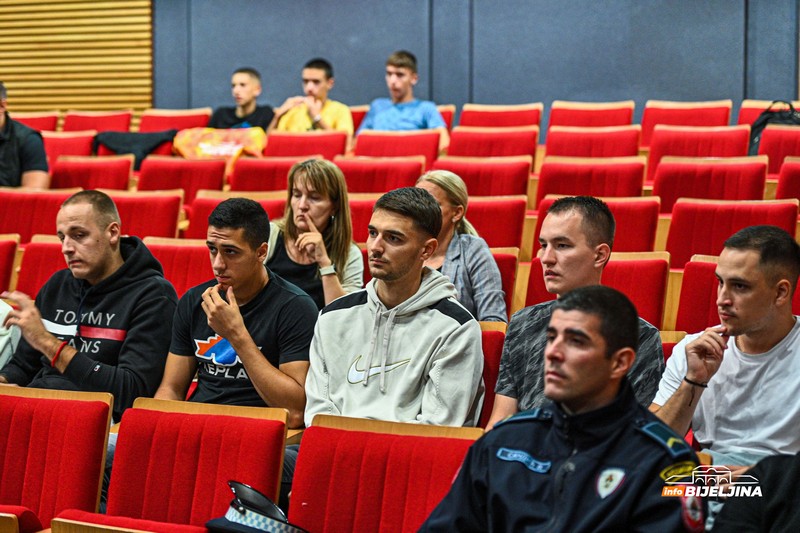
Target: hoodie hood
(139,264)
(433,288)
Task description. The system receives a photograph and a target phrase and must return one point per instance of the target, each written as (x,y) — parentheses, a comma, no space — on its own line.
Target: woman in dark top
(312,245)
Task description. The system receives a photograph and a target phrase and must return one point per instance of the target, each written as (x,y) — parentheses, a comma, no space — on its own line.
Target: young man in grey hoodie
(403,349)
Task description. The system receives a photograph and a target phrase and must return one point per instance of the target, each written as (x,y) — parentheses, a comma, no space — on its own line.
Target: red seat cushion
(130,523)
(26,519)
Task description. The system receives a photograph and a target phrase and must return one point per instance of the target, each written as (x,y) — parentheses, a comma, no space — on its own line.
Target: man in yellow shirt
(314,111)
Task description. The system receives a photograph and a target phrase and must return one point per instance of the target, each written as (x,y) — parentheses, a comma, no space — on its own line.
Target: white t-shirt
(751,408)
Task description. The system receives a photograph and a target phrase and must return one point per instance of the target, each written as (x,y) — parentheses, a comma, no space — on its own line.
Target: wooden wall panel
(77,54)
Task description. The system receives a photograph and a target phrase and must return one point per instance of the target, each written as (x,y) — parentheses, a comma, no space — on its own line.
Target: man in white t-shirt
(737,384)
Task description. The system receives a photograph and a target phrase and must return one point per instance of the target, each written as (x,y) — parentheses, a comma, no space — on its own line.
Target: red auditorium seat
(162,172)
(336,488)
(358,112)
(701,226)
(668,341)
(8,253)
(372,143)
(493,142)
(591,114)
(727,178)
(361,205)
(380,174)
(498,219)
(92,172)
(691,141)
(173,461)
(713,113)
(636,219)
(507,260)
(591,176)
(287,144)
(609,141)
(448,112)
(149,213)
(40,121)
(779,141)
(44,203)
(648,293)
(52,448)
(205,202)
(490,176)
(264,173)
(41,259)
(750,110)
(185,262)
(789,179)
(61,143)
(174,119)
(492,338)
(97,120)
(697,305)
(501,116)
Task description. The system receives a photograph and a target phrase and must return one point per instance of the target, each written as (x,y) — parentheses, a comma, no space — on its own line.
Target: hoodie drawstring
(372,344)
(387,334)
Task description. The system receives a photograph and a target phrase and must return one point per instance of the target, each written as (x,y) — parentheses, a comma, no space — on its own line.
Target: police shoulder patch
(668,439)
(537,413)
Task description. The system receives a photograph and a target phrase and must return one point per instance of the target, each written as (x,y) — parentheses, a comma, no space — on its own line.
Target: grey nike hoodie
(420,361)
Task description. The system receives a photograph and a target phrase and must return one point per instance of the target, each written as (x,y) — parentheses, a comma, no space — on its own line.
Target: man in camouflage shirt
(576,239)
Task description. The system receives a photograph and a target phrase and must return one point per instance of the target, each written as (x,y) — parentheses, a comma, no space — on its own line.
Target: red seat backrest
(500,116)
(184,265)
(714,113)
(174,467)
(57,144)
(499,220)
(264,174)
(92,172)
(285,144)
(373,143)
(778,142)
(201,208)
(507,264)
(40,260)
(45,205)
(500,176)
(148,215)
(360,215)
(161,120)
(380,174)
(591,115)
(69,437)
(38,121)
(191,175)
(723,141)
(736,179)
(700,227)
(591,177)
(789,179)
(493,142)
(492,344)
(8,251)
(359,481)
(99,121)
(697,306)
(612,141)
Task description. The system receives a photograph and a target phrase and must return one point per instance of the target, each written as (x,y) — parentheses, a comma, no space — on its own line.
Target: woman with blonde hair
(312,245)
(462,255)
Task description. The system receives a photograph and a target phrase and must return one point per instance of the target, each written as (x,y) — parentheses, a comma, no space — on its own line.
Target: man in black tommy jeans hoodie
(103,324)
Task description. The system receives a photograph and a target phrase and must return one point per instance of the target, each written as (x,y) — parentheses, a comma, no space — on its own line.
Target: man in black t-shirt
(247,332)
(22,157)
(245,87)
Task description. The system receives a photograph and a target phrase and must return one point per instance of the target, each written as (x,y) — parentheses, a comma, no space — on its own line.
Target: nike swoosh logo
(354,375)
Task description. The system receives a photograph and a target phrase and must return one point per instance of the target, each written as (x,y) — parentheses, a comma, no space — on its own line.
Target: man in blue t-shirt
(402,111)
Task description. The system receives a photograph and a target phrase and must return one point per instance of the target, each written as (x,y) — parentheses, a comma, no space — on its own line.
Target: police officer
(591,460)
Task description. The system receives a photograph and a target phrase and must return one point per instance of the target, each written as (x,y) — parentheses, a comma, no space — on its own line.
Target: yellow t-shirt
(334,114)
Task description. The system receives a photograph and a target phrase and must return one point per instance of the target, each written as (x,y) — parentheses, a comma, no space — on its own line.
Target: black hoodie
(122,337)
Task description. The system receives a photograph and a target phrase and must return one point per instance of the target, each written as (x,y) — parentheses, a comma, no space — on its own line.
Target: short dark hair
(249,70)
(597,221)
(3,92)
(320,64)
(104,208)
(403,59)
(619,322)
(779,253)
(415,203)
(243,213)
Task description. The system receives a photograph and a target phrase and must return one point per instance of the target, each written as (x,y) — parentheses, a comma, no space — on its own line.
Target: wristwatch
(328,270)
